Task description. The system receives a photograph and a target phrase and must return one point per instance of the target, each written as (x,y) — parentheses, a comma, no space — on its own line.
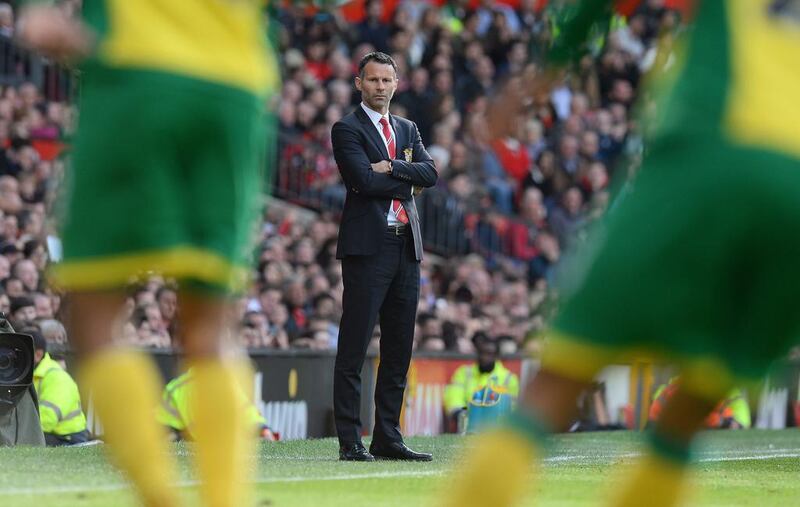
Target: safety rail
(19,65)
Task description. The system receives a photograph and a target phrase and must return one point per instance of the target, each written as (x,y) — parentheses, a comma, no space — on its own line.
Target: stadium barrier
(19,65)
(294,391)
(306,175)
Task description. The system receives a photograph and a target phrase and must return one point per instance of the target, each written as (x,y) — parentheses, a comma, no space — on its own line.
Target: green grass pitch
(758,468)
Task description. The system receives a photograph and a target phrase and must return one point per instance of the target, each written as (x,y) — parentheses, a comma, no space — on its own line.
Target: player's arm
(52,32)
(574,26)
(51,392)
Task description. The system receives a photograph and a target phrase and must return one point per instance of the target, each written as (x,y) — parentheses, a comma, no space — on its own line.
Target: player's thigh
(224,191)
(119,195)
(645,280)
(765,284)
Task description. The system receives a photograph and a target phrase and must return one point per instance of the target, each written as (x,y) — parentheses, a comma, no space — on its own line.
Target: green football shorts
(166,176)
(699,265)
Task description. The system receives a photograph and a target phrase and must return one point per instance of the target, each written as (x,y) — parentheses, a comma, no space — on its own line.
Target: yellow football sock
(223,436)
(496,473)
(657,482)
(124,388)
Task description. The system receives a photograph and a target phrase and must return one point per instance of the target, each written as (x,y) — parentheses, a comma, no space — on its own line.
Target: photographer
(63,421)
(19,411)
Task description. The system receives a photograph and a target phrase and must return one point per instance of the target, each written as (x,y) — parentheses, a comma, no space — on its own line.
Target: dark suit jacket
(356,145)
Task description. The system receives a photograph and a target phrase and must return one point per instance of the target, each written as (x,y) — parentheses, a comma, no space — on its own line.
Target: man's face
(5,267)
(26,271)
(487,355)
(325,308)
(153,315)
(257,321)
(377,86)
(270,299)
(25,314)
(14,288)
(168,303)
(43,306)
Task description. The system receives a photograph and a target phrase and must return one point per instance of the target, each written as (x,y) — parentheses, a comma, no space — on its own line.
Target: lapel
(372,132)
(400,139)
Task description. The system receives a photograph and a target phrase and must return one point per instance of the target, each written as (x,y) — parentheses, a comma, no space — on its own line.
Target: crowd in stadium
(512,205)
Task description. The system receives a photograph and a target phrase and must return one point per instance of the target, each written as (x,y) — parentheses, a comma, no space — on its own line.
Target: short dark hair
(424,318)
(164,289)
(378,57)
(20,302)
(481,338)
(39,341)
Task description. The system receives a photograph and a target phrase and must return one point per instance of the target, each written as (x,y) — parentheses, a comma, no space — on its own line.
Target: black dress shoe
(354,452)
(398,451)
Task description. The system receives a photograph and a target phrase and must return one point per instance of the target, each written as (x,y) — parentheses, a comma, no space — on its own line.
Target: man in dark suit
(383,164)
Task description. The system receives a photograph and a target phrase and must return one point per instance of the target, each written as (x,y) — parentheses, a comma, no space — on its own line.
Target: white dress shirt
(375,118)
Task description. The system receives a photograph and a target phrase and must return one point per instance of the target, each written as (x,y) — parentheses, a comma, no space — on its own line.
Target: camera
(16,363)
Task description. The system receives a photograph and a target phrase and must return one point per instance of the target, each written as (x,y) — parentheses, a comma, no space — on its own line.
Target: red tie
(397,206)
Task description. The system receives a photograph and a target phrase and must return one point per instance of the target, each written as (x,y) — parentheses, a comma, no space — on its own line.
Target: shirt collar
(374,116)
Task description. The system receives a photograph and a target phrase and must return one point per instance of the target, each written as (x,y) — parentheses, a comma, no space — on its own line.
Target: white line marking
(264,480)
(42,489)
(749,458)
(729,456)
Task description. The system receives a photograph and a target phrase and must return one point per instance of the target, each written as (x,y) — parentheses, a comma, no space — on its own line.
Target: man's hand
(417,190)
(50,31)
(383,167)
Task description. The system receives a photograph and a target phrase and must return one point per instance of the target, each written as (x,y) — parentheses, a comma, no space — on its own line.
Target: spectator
(43,306)
(429,336)
(149,327)
(13,287)
(467,379)
(568,219)
(484,203)
(166,298)
(23,312)
(27,273)
(5,267)
(53,331)
(372,30)
(6,21)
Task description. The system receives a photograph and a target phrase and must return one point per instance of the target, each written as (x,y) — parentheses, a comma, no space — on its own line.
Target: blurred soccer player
(166,177)
(697,266)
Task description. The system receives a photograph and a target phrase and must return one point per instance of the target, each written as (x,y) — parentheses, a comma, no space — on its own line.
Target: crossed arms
(382,179)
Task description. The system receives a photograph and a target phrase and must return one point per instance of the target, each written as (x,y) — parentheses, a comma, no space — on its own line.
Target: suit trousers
(383,287)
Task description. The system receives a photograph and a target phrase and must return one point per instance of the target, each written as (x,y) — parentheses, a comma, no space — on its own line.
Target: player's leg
(625,292)
(114,225)
(499,469)
(221,198)
(220,425)
(124,386)
(660,477)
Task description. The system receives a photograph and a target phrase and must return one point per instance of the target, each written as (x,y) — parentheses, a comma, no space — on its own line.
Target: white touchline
(264,480)
(749,458)
(38,490)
